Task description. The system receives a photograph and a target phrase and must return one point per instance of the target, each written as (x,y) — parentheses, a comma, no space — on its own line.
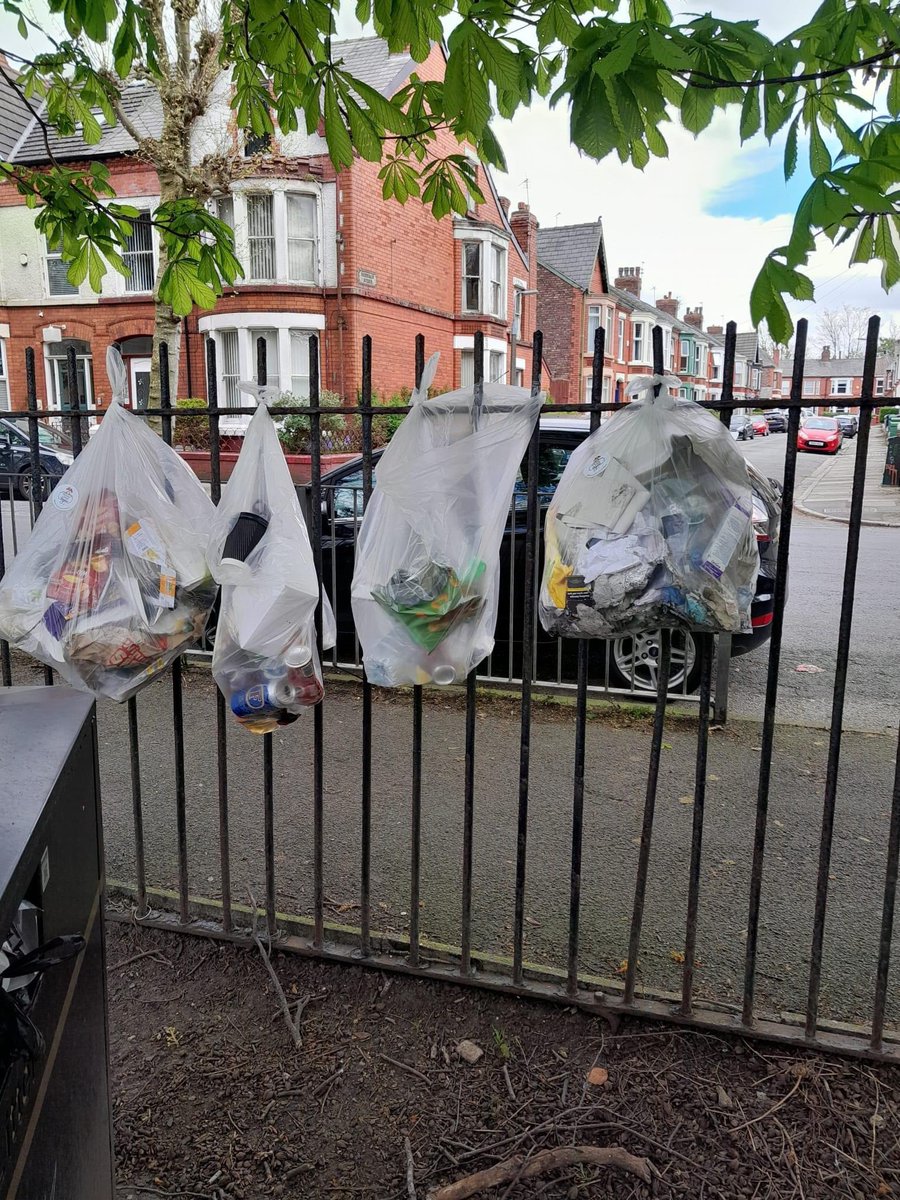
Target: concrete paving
(827,492)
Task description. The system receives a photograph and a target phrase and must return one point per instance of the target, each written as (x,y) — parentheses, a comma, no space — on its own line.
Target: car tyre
(633,663)
(26,482)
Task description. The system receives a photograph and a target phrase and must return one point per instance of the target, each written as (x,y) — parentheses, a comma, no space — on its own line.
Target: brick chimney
(826,354)
(504,204)
(668,304)
(629,280)
(694,316)
(715,330)
(524,225)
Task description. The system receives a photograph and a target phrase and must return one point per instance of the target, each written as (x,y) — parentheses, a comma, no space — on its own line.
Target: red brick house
(323,254)
(832,384)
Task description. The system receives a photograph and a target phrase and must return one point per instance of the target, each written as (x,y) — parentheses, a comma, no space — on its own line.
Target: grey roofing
(747,346)
(626,297)
(141,104)
(367,58)
(14,115)
(571,251)
(834,368)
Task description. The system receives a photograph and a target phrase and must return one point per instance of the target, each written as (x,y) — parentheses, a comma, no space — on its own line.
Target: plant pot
(299,465)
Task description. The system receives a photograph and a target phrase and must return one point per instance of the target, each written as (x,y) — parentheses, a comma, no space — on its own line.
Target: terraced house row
(324,254)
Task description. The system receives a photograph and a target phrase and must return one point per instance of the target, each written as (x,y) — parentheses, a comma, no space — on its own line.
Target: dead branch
(292,1024)
(518,1168)
(410,1170)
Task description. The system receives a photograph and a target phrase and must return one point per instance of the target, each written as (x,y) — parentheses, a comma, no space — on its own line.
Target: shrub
(888,411)
(294,431)
(191,432)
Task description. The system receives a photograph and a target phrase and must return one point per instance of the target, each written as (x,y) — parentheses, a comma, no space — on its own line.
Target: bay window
(230,368)
(299,363)
(223,208)
(261,236)
(620,344)
(483,272)
(496,366)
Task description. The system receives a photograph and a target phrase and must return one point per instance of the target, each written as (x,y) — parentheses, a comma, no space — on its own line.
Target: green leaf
(340,147)
(465,85)
(697,108)
(751,118)
(819,158)
(864,250)
(620,56)
(893,95)
(656,142)
(886,249)
(790,148)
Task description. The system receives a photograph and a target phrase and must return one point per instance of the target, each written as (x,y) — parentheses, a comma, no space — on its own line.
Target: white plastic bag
(113,584)
(425,583)
(265,659)
(651,525)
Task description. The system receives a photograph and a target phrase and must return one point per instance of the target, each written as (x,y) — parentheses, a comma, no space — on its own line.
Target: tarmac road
(812,618)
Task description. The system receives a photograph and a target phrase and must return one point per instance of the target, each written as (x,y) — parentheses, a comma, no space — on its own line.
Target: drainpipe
(339,299)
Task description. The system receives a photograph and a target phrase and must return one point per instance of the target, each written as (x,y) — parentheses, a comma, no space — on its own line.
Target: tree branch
(512,1170)
(713,82)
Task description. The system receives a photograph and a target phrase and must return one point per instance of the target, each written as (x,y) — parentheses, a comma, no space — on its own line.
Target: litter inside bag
(424,590)
(113,584)
(265,659)
(651,526)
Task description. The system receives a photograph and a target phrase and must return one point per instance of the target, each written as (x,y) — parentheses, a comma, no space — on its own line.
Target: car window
(345,499)
(820,423)
(552,462)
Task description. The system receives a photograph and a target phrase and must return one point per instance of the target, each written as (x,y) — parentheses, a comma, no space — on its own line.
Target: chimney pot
(826,354)
(629,280)
(715,330)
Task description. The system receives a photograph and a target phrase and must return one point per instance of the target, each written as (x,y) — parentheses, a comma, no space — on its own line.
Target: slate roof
(747,347)
(835,368)
(14,115)
(367,58)
(571,251)
(635,302)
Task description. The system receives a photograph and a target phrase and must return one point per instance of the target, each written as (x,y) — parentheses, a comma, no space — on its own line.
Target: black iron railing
(306,929)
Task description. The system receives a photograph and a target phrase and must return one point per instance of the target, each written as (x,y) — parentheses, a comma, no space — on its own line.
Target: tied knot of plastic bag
(652,389)
(265,394)
(117,375)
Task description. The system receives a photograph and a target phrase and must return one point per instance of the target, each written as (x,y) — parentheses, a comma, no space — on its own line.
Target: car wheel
(634,662)
(26,485)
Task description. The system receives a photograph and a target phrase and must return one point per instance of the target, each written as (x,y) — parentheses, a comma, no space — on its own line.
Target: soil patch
(213,1099)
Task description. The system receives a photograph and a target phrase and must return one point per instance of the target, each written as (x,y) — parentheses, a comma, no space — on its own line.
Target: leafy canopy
(624,68)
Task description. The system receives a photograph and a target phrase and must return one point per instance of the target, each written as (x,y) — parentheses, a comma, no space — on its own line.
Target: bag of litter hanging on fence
(651,525)
(425,585)
(265,659)
(113,584)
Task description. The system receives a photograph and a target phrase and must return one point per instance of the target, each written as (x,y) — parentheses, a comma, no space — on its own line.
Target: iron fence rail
(566,981)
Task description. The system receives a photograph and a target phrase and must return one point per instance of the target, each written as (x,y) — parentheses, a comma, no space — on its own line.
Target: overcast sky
(700,223)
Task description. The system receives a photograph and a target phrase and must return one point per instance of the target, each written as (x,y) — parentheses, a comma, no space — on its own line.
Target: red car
(760,426)
(820,433)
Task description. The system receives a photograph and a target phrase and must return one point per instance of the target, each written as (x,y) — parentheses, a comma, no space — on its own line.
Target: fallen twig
(410,1170)
(775,1107)
(548,1160)
(509,1086)
(290,1021)
(126,962)
(402,1066)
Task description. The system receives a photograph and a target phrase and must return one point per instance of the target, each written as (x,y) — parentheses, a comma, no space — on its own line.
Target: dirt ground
(213,1099)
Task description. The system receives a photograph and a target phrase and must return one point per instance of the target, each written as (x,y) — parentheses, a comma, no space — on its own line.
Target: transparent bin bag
(651,526)
(424,590)
(113,584)
(265,658)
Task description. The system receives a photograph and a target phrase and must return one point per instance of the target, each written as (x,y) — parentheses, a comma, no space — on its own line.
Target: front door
(140,382)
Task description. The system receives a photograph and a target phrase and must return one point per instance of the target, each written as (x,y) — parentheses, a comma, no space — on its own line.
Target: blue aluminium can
(262,699)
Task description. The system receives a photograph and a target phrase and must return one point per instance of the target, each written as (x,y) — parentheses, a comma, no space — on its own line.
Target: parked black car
(848,423)
(627,662)
(741,428)
(15,457)
(777,422)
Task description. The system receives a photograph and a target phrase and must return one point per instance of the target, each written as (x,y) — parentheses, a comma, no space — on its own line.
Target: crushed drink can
(263,699)
(302,675)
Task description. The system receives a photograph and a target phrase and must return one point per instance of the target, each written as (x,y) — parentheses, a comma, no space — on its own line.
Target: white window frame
(279,367)
(4,376)
(620,340)
(841,387)
(811,387)
(716,374)
(594,315)
(701,360)
(604,391)
(467,275)
(638,341)
(56,256)
(496,367)
(271,238)
(289,239)
(139,282)
(53,372)
(684,357)
(879,386)
(496,282)
(608,319)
